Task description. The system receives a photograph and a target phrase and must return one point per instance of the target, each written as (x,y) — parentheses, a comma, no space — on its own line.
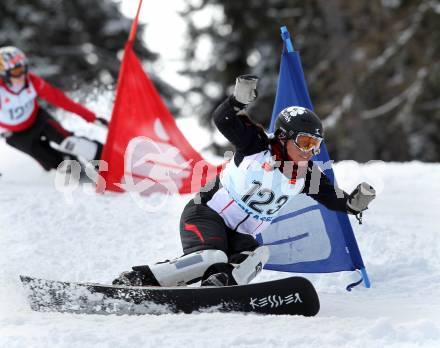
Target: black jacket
(248,139)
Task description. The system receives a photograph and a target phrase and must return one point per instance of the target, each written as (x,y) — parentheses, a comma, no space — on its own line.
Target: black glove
(100,121)
(359,199)
(245,90)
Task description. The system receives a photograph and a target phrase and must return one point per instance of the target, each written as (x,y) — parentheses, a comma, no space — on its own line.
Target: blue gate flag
(307,237)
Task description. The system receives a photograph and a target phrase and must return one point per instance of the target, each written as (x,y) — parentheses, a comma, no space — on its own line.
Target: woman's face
(296,154)
(18,82)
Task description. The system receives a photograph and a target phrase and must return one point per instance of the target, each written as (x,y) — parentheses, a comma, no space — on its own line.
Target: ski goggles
(18,71)
(307,142)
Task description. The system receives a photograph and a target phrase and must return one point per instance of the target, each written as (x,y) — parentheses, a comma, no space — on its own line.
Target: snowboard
(293,295)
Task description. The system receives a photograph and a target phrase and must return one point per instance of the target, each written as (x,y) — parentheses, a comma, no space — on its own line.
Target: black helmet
(296,119)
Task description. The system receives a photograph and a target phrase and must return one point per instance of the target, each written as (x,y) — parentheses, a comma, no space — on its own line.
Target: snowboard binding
(140,276)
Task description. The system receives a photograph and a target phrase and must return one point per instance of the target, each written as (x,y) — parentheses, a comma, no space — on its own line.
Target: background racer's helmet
(12,58)
(296,119)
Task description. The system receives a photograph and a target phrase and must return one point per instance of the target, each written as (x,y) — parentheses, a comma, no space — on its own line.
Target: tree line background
(372,67)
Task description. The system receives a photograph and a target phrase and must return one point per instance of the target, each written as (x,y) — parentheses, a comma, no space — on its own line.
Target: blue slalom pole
(288,45)
(365,278)
(285,35)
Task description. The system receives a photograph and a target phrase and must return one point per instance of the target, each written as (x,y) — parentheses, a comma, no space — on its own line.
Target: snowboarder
(218,225)
(27,126)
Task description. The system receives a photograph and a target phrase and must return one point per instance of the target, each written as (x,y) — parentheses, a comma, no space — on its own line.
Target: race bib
(258,188)
(16,108)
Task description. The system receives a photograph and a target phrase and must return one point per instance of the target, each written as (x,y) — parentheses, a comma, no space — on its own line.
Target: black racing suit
(35,141)
(203,228)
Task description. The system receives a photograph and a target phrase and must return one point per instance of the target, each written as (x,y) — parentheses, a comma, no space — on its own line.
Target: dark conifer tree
(372,67)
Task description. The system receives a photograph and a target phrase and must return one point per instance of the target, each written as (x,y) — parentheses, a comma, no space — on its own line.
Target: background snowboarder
(31,129)
(218,226)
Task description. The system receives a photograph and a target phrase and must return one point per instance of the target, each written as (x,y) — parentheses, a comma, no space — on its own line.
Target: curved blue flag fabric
(307,237)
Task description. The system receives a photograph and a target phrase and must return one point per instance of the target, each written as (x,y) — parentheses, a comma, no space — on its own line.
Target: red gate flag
(145,151)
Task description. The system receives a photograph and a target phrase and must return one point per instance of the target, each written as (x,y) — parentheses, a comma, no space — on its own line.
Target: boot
(140,276)
(219,279)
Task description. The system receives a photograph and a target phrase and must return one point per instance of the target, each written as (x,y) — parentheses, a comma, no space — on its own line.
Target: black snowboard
(294,295)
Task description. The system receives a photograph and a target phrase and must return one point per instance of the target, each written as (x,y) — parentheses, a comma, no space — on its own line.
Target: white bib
(17,108)
(257,187)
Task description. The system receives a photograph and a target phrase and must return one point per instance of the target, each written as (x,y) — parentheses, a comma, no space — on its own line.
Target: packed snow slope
(87,237)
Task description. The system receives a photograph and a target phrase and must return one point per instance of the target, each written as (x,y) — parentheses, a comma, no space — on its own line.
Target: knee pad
(79,147)
(247,270)
(188,268)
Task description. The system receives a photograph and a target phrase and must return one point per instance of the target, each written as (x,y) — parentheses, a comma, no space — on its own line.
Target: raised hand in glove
(245,90)
(359,199)
(100,121)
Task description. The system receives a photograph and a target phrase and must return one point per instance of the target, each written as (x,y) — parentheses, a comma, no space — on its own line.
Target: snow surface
(93,238)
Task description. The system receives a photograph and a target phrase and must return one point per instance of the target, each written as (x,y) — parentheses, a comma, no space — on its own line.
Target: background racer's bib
(259,189)
(17,108)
